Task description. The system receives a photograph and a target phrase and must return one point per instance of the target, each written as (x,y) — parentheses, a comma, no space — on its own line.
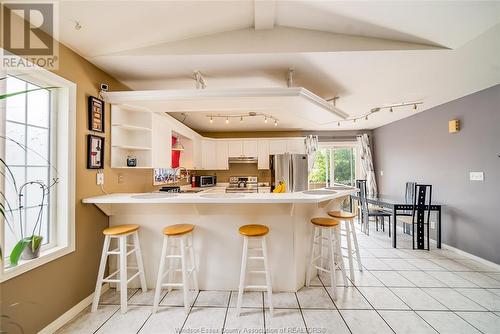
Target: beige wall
(38,297)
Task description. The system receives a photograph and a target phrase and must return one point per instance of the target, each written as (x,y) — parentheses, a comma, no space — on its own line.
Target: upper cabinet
(235,148)
(277,146)
(296,146)
(250,148)
(222,154)
(161,142)
(208,154)
(263,154)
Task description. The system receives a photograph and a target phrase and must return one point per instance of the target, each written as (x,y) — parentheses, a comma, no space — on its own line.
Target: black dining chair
(421,215)
(405,216)
(367,212)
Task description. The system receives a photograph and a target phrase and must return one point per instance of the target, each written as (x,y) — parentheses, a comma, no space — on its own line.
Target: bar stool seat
(120,276)
(254,230)
(120,229)
(178,229)
(342,214)
(325,222)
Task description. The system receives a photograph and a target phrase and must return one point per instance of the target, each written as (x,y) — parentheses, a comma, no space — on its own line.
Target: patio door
(336,163)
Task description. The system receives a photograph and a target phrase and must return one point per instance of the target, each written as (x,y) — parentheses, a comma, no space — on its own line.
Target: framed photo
(96,114)
(95,152)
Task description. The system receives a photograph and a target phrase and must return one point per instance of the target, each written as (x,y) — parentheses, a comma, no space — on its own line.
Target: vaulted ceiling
(367,53)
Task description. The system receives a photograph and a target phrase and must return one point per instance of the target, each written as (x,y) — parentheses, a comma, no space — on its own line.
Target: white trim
(71,313)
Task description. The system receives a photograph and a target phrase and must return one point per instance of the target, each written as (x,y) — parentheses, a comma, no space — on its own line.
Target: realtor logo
(28,33)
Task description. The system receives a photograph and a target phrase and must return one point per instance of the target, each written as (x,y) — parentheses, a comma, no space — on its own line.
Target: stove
(242,184)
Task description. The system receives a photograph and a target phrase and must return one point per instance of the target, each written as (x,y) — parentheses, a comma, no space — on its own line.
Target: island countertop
(314,196)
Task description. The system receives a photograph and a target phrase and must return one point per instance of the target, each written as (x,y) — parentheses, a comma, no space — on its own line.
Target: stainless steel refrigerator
(291,169)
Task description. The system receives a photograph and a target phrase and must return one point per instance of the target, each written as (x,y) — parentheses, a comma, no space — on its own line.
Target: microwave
(205,181)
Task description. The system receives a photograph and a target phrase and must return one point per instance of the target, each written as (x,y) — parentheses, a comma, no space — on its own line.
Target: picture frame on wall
(96,114)
(95,152)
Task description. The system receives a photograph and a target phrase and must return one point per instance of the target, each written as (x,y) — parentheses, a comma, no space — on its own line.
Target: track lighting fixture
(265,119)
(275,123)
(242,117)
(227,120)
(211,120)
(377,109)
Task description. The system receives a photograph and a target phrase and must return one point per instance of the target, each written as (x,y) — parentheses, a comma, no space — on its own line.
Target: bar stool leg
(161,273)
(184,273)
(349,248)
(268,276)
(333,276)
(356,246)
(172,262)
(123,273)
(242,275)
(339,253)
(100,275)
(310,262)
(193,262)
(140,264)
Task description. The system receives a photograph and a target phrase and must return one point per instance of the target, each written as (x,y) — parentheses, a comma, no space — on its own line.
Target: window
(28,154)
(335,163)
(37,144)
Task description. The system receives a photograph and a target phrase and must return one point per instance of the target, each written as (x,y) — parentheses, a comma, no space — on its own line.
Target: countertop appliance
(243,184)
(291,169)
(177,189)
(203,181)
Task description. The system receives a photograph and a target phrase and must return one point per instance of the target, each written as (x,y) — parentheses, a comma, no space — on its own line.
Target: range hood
(243,160)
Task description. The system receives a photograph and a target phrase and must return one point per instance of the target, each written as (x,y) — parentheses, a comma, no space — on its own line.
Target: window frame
(63,125)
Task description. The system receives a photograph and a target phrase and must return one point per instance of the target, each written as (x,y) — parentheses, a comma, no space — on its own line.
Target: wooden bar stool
(183,234)
(121,233)
(350,230)
(254,232)
(332,227)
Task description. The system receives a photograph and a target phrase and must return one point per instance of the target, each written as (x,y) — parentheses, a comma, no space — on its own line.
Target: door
(235,148)
(208,158)
(250,148)
(222,154)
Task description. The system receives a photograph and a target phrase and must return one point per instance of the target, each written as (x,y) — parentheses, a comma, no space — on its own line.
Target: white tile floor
(399,291)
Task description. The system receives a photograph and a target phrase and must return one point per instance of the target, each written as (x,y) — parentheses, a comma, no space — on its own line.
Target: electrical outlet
(100,178)
(433,225)
(120,178)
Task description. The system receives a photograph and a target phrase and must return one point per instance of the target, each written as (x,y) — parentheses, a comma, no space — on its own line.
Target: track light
(415,107)
(241,119)
(227,120)
(338,123)
(211,120)
(366,117)
(265,119)
(275,123)
(391,110)
(354,120)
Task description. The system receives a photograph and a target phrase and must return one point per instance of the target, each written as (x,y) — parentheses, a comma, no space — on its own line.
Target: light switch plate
(100,178)
(476,176)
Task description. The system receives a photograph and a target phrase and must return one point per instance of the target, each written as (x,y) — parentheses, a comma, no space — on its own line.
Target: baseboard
(71,313)
(471,256)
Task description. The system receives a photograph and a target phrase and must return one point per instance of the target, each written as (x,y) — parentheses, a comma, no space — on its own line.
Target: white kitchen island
(218,245)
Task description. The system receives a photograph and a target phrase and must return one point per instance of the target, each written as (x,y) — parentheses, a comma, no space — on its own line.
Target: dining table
(398,206)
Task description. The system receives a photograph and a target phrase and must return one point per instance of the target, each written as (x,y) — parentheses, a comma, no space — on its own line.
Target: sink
(154,195)
(319,192)
(339,188)
(223,195)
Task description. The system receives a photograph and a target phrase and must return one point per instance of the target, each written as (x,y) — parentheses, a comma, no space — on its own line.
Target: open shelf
(131,127)
(131,147)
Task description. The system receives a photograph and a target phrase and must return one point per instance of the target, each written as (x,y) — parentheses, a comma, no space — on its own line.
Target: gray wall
(419,148)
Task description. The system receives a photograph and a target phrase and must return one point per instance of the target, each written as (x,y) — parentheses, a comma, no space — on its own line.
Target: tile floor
(399,291)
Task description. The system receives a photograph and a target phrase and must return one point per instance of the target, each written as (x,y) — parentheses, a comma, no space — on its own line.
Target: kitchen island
(217,216)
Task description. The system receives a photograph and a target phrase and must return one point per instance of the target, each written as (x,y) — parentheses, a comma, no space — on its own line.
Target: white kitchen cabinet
(277,146)
(161,152)
(250,148)
(235,148)
(222,154)
(263,154)
(296,146)
(208,154)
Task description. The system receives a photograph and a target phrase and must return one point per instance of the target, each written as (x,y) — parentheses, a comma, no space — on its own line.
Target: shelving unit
(131,135)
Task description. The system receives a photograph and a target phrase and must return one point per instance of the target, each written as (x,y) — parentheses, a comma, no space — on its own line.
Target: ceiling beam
(264,14)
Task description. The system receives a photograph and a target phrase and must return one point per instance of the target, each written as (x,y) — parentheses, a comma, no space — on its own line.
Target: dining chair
(421,215)
(405,217)
(367,211)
